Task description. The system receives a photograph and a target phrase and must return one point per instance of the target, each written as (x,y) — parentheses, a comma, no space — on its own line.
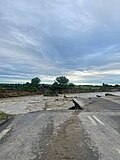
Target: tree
(27,84)
(60,83)
(54,86)
(35,82)
(105,85)
(71,85)
(116,85)
(53,89)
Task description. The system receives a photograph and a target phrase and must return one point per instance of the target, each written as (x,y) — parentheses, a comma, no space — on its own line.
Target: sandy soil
(22,105)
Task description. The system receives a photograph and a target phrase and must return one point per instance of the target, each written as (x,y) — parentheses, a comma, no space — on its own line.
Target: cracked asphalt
(90,134)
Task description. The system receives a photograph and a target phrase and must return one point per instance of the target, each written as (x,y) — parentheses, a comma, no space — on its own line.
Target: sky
(79,39)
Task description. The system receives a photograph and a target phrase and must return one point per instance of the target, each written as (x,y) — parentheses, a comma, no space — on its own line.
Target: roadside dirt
(68,143)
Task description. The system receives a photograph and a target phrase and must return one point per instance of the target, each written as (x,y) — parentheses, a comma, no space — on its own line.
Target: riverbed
(22,105)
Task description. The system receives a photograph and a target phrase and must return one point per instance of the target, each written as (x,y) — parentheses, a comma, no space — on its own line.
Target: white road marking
(98,120)
(4,132)
(92,120)
(118,150)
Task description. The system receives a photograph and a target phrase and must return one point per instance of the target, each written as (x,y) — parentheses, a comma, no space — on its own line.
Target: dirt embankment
(16,93)
(6,93)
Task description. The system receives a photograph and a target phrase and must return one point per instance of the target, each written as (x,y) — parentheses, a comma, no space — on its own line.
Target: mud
(68,142)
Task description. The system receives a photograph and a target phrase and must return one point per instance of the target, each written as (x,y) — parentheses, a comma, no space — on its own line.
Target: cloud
(79,39)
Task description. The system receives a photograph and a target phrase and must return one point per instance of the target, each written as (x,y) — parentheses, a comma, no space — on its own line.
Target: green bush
(3,116)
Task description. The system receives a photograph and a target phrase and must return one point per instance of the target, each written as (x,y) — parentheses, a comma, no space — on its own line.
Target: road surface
(90,134)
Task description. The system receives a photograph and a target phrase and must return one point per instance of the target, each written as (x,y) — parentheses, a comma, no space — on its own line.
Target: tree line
(61,84)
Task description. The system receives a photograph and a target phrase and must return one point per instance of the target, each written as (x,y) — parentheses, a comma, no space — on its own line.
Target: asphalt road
(91,134)
(101,123)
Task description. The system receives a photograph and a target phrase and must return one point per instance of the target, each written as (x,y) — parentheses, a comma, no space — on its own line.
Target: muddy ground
(22,105)
(69,142)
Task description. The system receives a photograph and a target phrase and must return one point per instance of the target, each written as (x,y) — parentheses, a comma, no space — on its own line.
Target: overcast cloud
(47,38)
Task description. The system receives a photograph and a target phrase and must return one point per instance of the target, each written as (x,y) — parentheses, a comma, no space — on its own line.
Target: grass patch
(3,116)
